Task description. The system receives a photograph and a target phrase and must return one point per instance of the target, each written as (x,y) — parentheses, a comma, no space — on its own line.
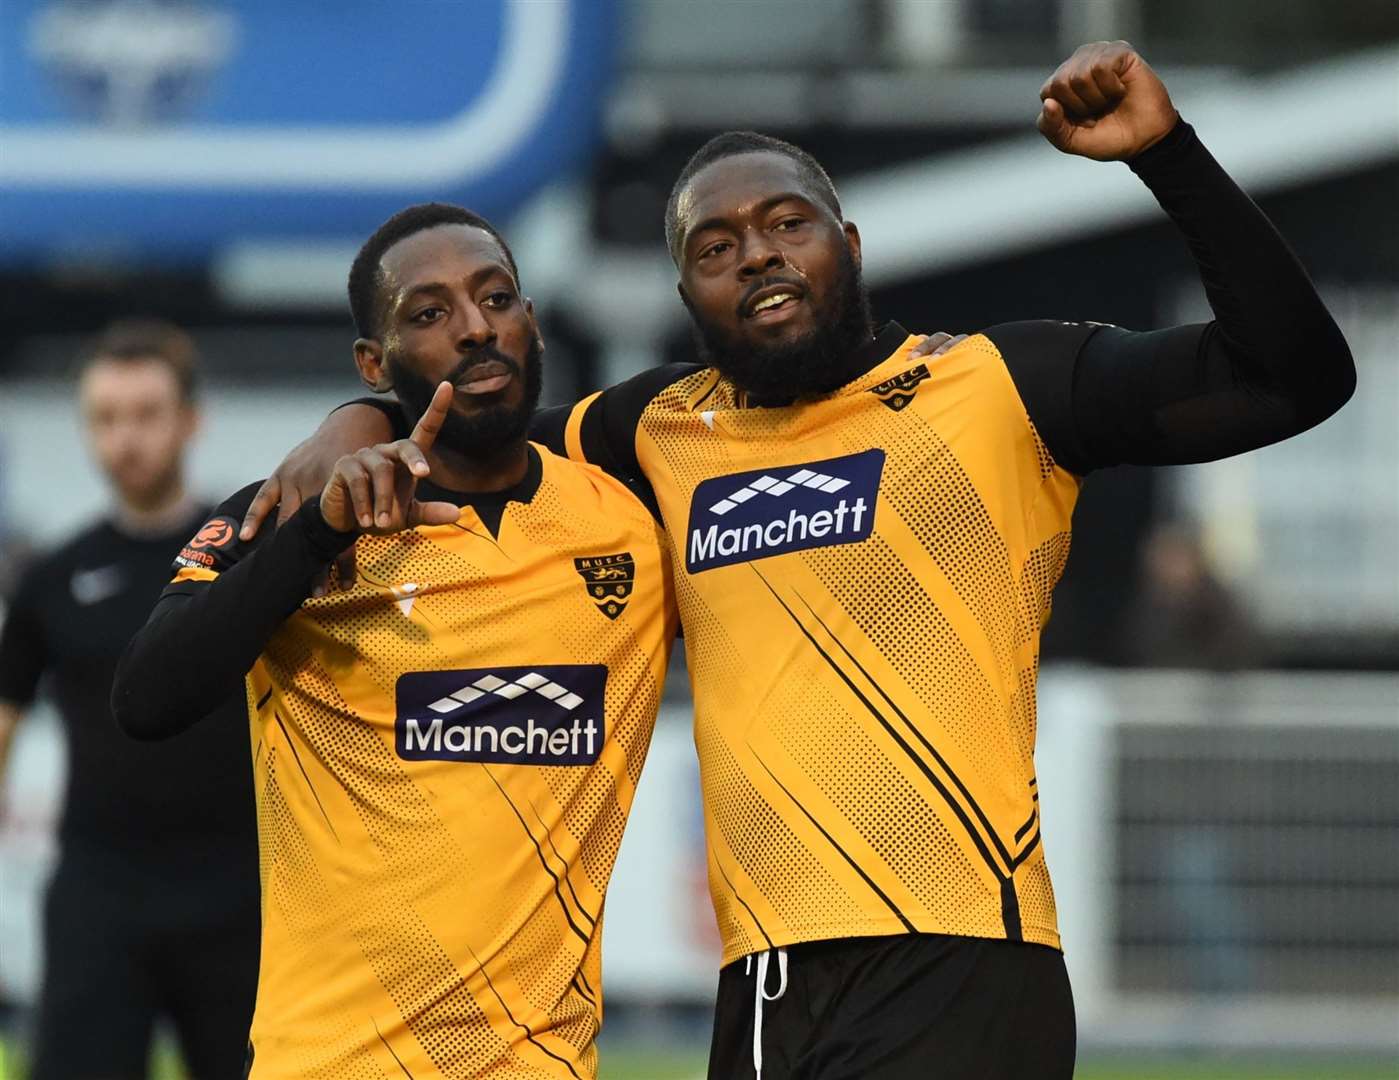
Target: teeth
(772,301)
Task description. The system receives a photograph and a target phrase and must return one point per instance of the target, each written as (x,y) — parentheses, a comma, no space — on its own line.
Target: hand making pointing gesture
(372,490)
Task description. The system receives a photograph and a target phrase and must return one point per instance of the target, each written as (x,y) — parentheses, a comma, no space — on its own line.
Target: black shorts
(898,1008)
(121,954)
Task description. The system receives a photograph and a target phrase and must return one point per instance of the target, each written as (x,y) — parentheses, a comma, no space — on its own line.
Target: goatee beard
(490,431)
(813,365)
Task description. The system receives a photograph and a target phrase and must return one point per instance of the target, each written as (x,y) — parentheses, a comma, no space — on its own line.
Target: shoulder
(71,552)
(633,395)
(1038,341)
(215,545)
(597,497)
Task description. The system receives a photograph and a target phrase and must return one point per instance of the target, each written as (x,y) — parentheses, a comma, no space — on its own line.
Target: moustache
(481,355)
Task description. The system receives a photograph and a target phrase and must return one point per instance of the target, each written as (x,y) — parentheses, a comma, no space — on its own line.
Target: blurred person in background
(1183,615)
(866,548)
(152,911)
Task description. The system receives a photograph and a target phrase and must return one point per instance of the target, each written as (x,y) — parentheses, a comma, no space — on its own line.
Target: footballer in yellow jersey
(445,754)
(865,544)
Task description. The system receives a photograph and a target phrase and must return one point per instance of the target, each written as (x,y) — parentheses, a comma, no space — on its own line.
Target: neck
(477,475)
(162,514)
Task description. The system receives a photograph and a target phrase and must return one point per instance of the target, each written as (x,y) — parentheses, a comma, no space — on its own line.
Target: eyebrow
(717,222)
(476,278)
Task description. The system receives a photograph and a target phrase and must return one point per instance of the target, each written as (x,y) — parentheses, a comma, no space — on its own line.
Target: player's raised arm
(1272,363)
(231,595)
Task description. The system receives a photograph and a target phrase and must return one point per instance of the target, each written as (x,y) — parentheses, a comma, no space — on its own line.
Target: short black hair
(729,144)
(138,340)
(365,270)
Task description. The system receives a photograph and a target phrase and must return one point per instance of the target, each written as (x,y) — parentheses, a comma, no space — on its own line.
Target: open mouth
(772,303)
(488,377)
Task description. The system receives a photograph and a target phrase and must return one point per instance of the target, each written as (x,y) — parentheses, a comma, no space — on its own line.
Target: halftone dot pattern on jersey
(292,880)
(780,866)
(947,514)
(1042,454)
(880,594)
(1039,575)
(1036,893)
(885,808)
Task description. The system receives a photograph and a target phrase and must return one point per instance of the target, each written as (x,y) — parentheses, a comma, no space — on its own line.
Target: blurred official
(153,909)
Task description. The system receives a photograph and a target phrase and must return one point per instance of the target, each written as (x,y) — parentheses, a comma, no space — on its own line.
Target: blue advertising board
(165,128)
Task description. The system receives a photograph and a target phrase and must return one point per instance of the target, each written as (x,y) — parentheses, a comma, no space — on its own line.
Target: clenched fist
(1105,103)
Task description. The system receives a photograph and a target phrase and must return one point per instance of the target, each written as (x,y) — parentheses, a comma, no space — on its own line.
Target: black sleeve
(204,636)
(1272,363)
(548,427)
(23,654)
(389,407)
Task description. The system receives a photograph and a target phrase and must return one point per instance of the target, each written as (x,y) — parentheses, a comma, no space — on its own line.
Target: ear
(852,237)
(684,296)
(373,371)
(528,305)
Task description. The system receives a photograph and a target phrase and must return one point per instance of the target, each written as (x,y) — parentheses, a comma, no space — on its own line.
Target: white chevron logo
(770,485)
(494,684)
(404,595)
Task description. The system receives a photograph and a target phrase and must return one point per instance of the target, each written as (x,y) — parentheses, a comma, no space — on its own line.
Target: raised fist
(1105,103)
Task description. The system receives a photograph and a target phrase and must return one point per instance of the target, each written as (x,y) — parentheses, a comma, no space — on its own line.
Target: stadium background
(1224,831)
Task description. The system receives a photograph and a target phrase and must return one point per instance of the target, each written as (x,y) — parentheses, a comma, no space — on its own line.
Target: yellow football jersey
(445,757)
(862,581)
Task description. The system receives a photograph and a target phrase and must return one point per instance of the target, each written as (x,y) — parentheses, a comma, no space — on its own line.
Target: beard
(814,364)
(489,431)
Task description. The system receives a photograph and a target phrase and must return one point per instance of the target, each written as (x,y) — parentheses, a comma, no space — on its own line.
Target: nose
(475,330)
(759,255)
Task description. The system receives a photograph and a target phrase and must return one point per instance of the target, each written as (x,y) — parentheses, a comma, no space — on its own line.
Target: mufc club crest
(898,391)
(609,579)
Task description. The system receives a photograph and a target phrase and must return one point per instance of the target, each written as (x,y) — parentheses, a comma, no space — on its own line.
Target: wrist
(1165,150)
(325,540)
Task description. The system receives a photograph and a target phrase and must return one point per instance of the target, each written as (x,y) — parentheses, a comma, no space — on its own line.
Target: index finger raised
(427,427)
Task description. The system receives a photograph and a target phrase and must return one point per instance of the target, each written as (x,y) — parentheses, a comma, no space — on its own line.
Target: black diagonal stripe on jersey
(1028,822)
(579,984)
(1010,911)
(549,836)
(742,901)
(558,893)
(523,1027)
(844,854)
(933,778)
(1029,848)
(397,1060)
(263,701)
(297,758)
(942,762)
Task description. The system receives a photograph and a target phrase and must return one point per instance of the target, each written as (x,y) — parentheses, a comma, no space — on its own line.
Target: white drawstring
(760,994)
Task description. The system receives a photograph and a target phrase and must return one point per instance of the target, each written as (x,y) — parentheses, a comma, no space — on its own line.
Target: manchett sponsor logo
(754,515)
(545,715)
